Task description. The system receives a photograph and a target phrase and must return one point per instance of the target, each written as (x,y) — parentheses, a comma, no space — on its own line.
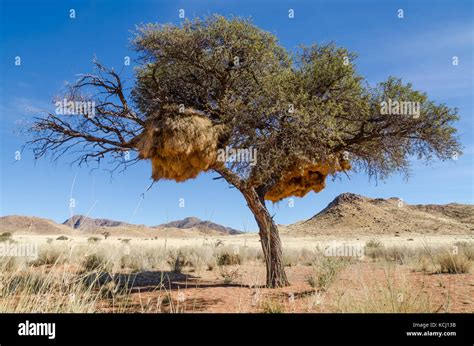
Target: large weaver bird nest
(305,177)
(180,147)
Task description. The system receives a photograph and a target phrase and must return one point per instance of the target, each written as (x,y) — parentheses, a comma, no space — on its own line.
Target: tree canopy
(310,104)
(290,106)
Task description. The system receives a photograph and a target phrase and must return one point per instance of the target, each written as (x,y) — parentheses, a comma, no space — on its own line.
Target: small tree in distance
(217,84)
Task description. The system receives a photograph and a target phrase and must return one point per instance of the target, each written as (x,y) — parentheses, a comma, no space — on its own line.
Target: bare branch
(110,127)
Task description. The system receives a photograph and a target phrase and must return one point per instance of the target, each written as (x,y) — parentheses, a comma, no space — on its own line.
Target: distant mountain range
(79,223)
(87,223)
(348,214)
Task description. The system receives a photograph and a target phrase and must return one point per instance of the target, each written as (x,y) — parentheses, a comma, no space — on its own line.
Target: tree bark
(269,237)
(268,230)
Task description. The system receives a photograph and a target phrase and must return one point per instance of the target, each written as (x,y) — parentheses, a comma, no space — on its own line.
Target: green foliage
(238,75)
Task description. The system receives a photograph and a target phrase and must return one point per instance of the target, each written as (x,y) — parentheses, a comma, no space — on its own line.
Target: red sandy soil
(358,283)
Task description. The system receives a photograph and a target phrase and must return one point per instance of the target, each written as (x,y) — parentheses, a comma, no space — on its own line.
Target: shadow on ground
(146,281)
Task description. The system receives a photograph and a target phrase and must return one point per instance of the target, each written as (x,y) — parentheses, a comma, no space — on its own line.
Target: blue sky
(55,48)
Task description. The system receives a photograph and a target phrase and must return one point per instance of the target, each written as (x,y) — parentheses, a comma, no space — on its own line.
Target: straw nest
(305,177)
(180,147)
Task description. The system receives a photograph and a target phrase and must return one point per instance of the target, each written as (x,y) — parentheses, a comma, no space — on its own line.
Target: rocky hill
(205,226)
(355,214)
(84,222)
(31,225)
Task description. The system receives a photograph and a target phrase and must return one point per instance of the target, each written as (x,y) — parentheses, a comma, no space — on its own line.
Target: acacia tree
(309,105)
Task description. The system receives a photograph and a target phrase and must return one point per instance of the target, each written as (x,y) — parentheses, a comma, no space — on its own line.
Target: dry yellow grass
(392,293)
(107,276)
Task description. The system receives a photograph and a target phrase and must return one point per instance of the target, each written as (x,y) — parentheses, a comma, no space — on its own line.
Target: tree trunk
(270,239)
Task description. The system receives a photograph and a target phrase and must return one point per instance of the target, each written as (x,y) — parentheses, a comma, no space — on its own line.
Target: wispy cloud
(19,107)
(423,45)
(425,59)
(18,112)
(456,36)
